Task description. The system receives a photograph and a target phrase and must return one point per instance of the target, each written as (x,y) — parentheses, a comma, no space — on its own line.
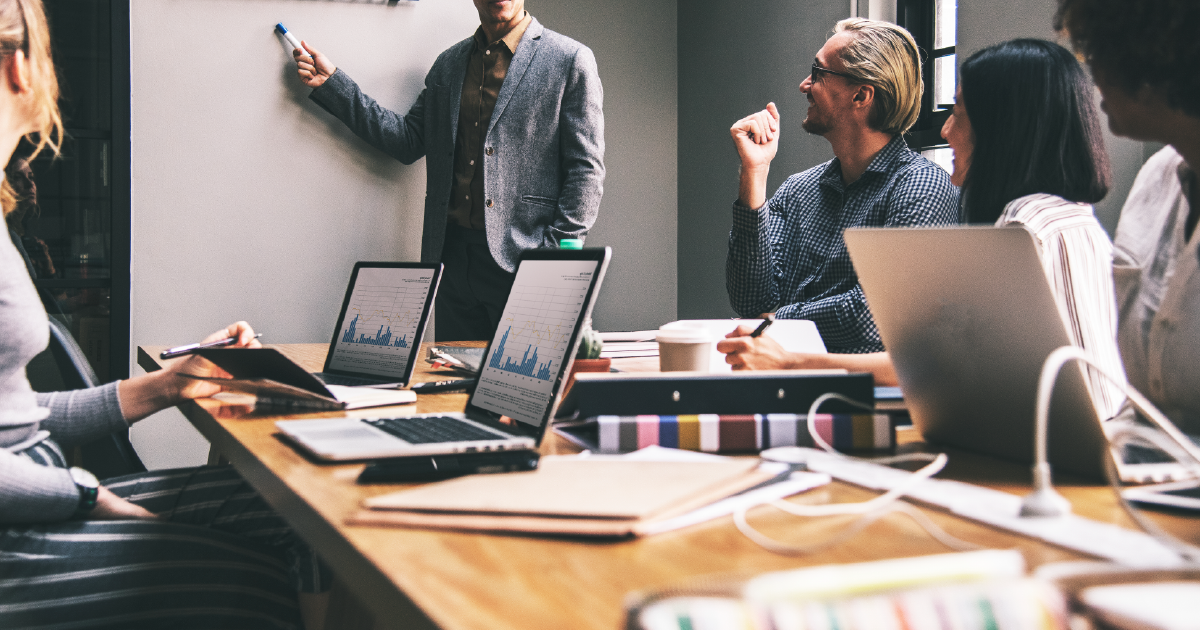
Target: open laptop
(520,382)
(969,318)
(377,339)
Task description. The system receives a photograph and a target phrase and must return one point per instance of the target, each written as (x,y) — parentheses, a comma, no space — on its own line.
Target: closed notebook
(586,496)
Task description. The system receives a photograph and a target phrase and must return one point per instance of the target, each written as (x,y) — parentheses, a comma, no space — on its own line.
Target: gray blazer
(543,166)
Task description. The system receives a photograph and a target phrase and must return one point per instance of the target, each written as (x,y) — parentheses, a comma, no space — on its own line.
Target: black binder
(688,393)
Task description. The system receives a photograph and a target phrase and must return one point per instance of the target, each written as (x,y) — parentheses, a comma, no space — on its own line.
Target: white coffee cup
(684,347)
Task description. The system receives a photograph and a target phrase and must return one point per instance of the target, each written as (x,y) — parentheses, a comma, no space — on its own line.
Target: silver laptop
(520,382)
(969,318)
(377,338)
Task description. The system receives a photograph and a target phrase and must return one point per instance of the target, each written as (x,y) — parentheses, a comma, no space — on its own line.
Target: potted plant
(587,359)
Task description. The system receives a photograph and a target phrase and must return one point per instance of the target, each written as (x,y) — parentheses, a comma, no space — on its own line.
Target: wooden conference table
(417,579)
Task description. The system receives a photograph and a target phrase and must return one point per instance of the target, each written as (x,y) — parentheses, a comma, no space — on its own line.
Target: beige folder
(601,497)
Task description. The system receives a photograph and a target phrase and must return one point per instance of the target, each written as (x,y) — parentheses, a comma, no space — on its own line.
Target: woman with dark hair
(1144,57)
(1027,151)
(1031,129)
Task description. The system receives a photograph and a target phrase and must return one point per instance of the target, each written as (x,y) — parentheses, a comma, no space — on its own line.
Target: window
(932,24)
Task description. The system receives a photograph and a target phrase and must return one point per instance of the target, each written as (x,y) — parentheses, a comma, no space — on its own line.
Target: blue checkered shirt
(789,256)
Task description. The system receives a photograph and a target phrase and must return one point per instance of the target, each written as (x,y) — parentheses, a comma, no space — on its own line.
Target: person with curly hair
(1143,56)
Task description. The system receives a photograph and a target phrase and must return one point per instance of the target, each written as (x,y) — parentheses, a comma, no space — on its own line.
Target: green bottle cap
(571,243)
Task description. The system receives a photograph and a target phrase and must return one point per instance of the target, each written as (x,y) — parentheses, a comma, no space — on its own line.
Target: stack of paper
(795,335)
(583,496)
(629,349)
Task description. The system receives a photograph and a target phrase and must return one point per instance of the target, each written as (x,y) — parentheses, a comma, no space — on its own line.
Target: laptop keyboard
(349,381)
(433,430)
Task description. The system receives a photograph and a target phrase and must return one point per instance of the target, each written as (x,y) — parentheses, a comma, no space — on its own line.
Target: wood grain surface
(415,578)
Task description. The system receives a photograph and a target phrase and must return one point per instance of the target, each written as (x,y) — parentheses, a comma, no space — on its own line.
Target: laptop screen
(383,319)
(528,356)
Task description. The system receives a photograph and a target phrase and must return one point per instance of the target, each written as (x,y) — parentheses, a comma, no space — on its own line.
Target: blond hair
(885,56)
(23,27)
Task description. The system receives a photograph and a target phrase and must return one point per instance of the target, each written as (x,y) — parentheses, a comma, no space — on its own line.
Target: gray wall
(729,68)
(250,202)
(982,23)
(635,46)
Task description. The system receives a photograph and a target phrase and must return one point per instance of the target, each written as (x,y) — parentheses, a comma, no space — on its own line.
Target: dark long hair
(1035,126)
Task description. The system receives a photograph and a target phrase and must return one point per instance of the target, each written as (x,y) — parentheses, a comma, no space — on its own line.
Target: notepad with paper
(589,496)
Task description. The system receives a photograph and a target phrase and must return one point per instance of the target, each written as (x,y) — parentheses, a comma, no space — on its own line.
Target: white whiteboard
(249,201)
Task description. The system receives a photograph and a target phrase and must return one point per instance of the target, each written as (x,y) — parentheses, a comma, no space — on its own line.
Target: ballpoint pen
(768,319)
(179,351)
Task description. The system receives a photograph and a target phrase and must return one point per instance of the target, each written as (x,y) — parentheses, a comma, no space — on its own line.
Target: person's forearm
(396,135)
(752,187)
(146,394)
(878,364)
(32,493)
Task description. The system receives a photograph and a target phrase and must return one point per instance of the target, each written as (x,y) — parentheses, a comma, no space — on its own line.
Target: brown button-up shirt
(486,70)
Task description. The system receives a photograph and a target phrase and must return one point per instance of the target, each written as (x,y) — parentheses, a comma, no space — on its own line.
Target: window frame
(919,18)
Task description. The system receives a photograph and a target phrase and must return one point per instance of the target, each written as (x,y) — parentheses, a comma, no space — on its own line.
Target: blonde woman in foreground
(185,548)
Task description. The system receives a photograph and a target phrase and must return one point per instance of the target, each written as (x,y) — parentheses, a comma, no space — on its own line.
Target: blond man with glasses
(786,253)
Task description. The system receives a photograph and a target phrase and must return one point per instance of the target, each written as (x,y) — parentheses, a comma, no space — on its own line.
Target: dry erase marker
(282,30)
(179,351)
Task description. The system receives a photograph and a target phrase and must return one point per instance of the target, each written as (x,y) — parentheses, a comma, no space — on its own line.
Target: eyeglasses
(817,70)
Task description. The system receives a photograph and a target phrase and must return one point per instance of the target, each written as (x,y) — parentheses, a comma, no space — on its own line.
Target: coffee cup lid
(675,333)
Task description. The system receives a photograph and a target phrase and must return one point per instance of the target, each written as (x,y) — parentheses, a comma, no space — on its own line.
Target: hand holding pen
(239,334)
(179,351)
(156,390)
(749,349)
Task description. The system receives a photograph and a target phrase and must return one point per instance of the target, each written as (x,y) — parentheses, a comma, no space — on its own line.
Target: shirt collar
(511,40)
(883,162)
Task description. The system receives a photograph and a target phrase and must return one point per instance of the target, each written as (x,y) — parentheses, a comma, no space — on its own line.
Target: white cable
(856,526)
(867,511)
(1050,370)
(1122,436)
(812,417)
(866,507)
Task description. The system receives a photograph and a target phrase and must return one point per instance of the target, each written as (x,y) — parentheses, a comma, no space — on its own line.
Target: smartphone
(1177,494)
(438,467)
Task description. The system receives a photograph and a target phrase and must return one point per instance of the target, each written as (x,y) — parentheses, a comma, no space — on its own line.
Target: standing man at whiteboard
(511,122)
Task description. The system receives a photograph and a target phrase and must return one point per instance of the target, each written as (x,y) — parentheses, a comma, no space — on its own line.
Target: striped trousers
(219,558)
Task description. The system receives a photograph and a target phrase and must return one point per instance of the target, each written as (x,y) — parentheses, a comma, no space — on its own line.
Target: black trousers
(474,288)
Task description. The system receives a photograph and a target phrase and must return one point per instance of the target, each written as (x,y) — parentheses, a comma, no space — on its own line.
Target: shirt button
(489,203)
(477,124)
(487,52)
(472,162)
(489,151)
(466,196)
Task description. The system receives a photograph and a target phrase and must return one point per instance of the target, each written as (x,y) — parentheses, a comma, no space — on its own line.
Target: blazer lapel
(457,71)
(516,70)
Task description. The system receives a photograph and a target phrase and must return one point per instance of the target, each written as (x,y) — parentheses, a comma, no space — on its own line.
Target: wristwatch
(89,489)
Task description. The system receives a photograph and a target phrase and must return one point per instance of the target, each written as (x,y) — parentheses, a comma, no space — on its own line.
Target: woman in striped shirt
(1028,151)
(186,548)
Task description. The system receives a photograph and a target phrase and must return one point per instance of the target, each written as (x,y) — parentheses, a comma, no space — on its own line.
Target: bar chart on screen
(382,318)
(534,336)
